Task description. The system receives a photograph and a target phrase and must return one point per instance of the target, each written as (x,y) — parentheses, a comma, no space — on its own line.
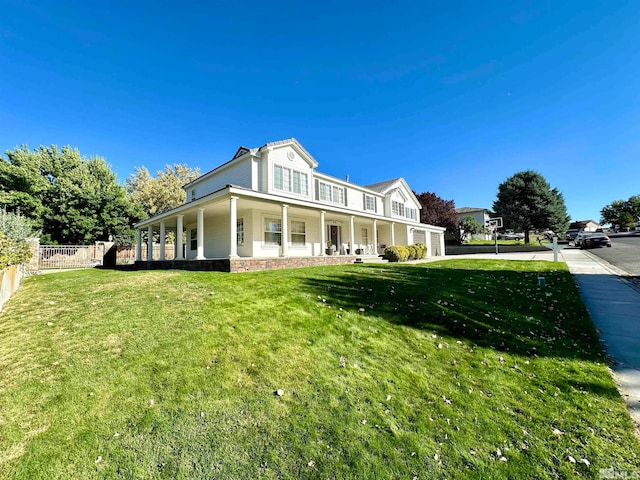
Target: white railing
(70,256)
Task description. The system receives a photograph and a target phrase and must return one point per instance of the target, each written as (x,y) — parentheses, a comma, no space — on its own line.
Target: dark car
(577,240)
(571,234)
(593,240)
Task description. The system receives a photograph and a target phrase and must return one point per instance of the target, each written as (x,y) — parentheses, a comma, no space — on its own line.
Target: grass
(453,369)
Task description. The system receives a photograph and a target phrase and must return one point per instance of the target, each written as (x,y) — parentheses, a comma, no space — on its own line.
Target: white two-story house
(271,203)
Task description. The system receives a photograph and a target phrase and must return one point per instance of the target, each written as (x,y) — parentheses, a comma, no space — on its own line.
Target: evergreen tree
(527,202)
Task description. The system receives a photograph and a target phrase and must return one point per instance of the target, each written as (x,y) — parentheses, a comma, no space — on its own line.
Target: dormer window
(193,194)
(397,208)
(289,180)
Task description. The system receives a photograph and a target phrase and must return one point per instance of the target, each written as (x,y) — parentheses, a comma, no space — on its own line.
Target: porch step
(371,259)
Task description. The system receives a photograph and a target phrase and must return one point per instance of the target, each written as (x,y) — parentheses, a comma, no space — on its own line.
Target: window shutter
(345,196)
(317,190)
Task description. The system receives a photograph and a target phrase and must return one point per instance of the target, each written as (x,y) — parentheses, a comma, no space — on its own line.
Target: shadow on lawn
(501,309)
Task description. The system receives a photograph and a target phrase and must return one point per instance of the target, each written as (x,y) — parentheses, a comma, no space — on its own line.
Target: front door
(334,235)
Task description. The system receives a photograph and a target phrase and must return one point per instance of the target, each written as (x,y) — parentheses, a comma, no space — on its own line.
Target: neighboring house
(271,203)
(481,215)
(584,226)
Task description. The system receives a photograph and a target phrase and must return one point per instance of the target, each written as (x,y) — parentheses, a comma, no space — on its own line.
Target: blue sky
(453,96)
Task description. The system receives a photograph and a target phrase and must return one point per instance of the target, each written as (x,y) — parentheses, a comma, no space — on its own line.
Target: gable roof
(242,151)
(290,141)
(388,185)
(383,187)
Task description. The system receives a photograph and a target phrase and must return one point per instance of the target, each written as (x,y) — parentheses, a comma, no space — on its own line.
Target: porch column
(233,227)
(393,233)
(352,236)
(442,254)
(285,231)
(323,240)
(375,237)
(138,245)
(200,232)
(150,243)
(163,235)
(179,244)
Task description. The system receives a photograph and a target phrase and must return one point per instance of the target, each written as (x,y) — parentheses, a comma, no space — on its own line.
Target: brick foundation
(238,265)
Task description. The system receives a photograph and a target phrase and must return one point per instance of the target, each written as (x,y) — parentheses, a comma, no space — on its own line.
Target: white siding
(280,157)
(355,199)
(238,174)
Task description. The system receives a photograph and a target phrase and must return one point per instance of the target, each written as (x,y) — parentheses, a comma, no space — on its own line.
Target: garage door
(435,245)
(419,237)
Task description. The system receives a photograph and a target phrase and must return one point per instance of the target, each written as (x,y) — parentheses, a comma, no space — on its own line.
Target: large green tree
(527,202)
(72,198)
(622,212)
(164,191)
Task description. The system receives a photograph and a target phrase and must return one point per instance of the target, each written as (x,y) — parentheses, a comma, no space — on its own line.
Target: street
(624,252)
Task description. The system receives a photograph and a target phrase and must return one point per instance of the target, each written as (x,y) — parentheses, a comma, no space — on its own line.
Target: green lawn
(452,369)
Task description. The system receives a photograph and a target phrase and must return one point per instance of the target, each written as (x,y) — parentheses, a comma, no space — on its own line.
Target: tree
(470,226)
(72,198)
(527,202)
(439,212)
(162,193)
(622,212)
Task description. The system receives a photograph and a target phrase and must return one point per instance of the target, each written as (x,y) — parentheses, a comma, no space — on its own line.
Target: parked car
(511,236)
(592,240)
(571,234)
(579,237)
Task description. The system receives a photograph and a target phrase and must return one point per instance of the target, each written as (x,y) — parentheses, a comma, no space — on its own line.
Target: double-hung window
(369,203)
(193,237)
(298,233)
(412,213)
(325,192)
(300,183)
(397,208)
(338,195)
(289,180)
(331,193)
(272,231)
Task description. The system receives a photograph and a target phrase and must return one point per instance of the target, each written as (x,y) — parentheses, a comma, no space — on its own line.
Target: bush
(396,253)
(399,253)
(421,250)
(12,252)
(15,226)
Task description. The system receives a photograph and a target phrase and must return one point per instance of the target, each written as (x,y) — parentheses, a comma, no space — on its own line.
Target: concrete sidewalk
(614,305)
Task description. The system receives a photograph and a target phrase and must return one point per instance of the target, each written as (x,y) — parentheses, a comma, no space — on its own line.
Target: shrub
(413,252)
(396,253)
(421,250)
(15,226)
(12,252)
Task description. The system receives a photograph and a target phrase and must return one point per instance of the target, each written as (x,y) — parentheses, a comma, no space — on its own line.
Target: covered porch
(238,224)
